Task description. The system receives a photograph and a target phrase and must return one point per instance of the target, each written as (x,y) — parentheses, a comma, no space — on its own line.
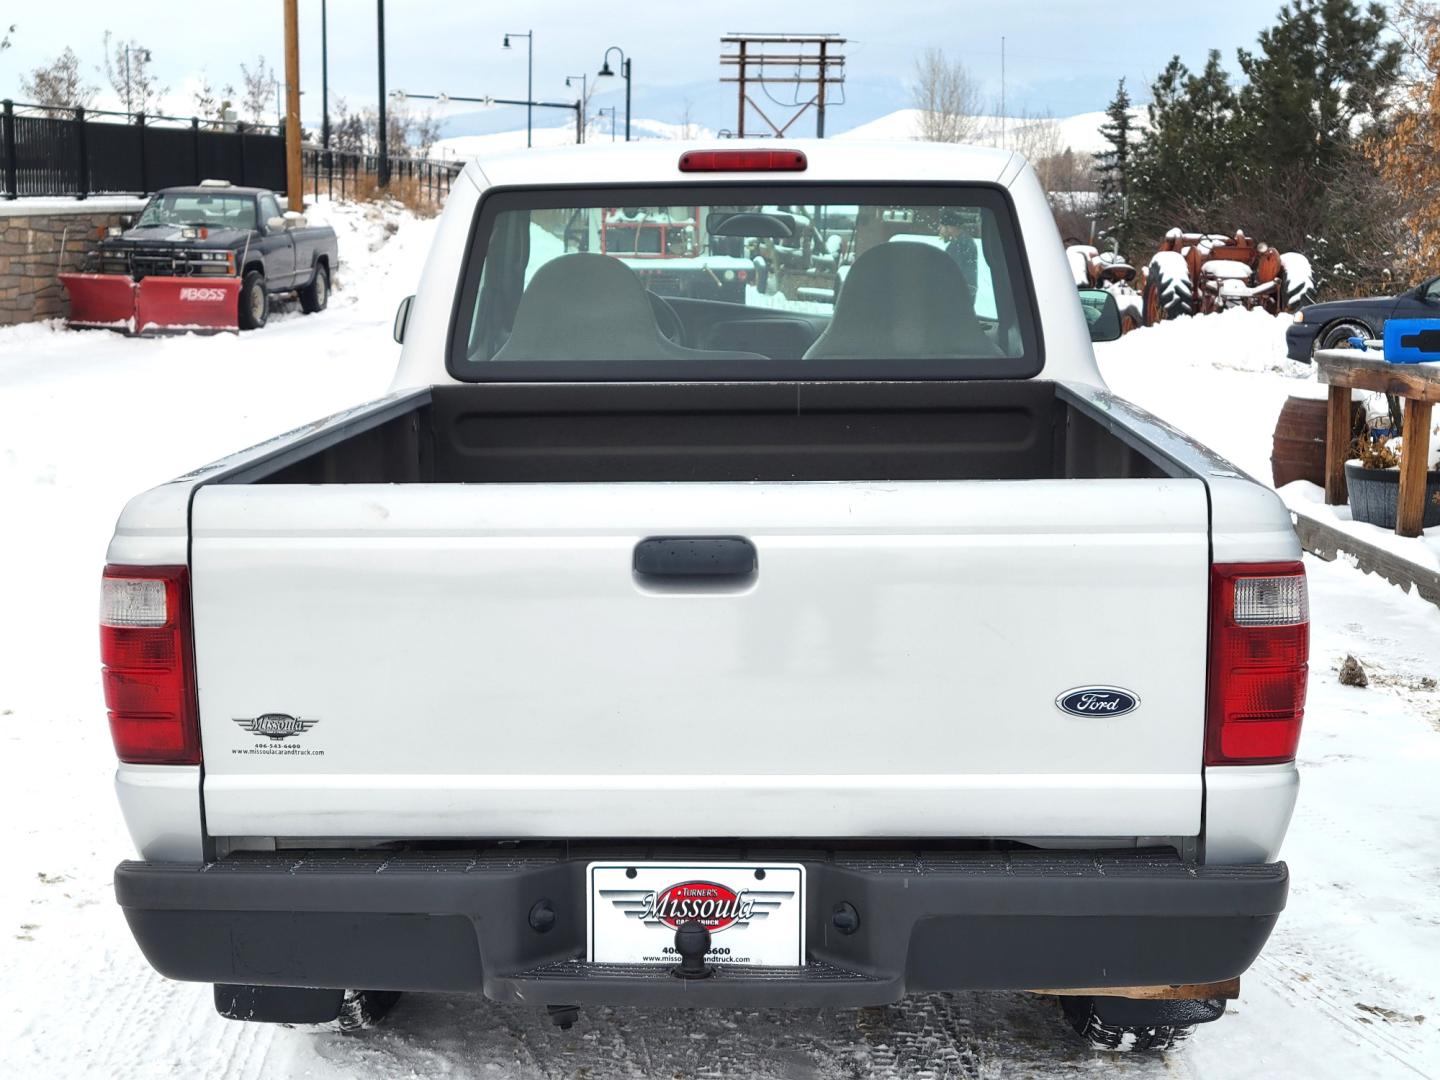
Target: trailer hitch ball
(692,942)
(542,916)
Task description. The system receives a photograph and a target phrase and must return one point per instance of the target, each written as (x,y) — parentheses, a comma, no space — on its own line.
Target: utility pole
(759,60)
(382,167)
(1002,91)
(294,178)
(820,95)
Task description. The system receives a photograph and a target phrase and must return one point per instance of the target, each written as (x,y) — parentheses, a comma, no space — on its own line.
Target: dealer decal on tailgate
(636,908)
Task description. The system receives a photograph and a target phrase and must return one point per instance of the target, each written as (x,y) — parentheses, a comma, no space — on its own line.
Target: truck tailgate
(482,660)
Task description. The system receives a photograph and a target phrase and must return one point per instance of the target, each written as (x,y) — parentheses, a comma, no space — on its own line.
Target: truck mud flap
(106,300)
(187,303)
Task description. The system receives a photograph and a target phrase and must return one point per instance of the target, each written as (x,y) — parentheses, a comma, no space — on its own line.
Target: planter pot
(1375,495)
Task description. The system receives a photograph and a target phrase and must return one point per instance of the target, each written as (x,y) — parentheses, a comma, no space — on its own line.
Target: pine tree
(1187,156)
(1113,166)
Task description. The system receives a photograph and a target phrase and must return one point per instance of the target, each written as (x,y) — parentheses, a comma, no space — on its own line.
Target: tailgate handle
(695,557)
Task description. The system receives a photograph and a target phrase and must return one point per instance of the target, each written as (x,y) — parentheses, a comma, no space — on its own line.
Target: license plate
(755,912)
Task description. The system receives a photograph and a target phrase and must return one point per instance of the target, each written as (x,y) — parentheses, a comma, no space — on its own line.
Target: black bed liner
(609,432)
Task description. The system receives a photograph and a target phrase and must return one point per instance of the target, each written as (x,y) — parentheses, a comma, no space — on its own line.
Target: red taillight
(1259,662)
(148,671)
(742,161)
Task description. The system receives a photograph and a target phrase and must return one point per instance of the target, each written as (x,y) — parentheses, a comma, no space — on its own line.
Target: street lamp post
(325,80)
(584,103)
(382,163)
(529,37)
(605,72)
(611,110)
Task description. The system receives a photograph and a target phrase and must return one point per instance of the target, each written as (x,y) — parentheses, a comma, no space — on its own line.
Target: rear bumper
(459,921)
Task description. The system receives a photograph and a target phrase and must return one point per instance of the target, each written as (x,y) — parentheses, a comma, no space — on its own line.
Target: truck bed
(453,586)
(781,431)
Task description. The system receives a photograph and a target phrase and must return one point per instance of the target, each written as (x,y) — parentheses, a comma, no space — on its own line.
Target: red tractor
(1108,270)
(1201,273)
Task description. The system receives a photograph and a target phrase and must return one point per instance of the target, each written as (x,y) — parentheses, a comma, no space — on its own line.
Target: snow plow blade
(117,302)
(187,303)
(100,300)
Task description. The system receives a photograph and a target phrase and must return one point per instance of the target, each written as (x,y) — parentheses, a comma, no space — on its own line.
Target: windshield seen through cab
(215,211)
(727,278)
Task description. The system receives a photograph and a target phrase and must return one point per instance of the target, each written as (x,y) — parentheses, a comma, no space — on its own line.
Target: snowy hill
(466,146)
(1080,133)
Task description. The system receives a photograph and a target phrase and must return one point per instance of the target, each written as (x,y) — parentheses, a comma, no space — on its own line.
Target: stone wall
(38,239)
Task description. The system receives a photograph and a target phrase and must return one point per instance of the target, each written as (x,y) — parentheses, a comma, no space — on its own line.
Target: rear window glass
(745,282)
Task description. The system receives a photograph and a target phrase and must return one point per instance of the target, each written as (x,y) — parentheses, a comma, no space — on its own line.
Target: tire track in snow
(1289,980)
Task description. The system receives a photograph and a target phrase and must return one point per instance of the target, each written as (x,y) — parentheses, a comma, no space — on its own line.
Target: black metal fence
(79,152)
(348,175)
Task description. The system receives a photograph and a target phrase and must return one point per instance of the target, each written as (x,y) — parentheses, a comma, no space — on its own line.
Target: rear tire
(1169,292)
(254,301)
(1339,335)
(363,1009)
(1123,1024)
(316,295)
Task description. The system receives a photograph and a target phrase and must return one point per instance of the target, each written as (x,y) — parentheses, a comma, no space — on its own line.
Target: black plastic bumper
(1300,341)
(459,921)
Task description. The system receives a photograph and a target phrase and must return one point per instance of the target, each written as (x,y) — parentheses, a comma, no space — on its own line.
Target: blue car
(1329,325)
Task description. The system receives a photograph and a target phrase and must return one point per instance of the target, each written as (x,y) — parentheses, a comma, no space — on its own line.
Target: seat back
(906,301)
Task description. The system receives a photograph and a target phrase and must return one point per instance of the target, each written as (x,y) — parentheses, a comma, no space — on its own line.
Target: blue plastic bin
(1412,341)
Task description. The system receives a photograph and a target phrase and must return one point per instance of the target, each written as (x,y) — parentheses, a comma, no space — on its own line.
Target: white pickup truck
(742,652)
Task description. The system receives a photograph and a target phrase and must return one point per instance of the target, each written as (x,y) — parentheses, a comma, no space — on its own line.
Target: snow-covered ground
(1347,988)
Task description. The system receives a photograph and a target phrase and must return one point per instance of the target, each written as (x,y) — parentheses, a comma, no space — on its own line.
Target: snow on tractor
(1108,270)
(1201,273)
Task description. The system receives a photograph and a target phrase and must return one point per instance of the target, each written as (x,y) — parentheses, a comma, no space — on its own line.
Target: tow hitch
(692,942)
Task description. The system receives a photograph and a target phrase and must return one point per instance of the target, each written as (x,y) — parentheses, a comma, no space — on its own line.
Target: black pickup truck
(203,257)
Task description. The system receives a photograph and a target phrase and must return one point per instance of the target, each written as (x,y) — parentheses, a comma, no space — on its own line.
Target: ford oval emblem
(1097,701)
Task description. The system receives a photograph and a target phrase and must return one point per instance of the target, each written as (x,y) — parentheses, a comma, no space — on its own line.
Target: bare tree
(59,84)
(946,97)
(259,89)
(127,69)
(347,129)
(1038,137)
(424,133)
(688,128)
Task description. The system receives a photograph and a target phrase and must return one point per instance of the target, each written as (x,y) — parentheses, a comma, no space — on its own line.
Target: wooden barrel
(1299,448)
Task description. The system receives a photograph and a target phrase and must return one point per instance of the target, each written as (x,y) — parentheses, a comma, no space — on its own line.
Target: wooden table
(1419,384)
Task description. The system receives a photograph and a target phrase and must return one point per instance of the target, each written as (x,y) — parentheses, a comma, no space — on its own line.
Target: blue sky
(1062,57)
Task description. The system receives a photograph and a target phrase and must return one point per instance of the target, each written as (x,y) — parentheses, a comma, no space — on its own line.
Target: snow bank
(1221,378)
